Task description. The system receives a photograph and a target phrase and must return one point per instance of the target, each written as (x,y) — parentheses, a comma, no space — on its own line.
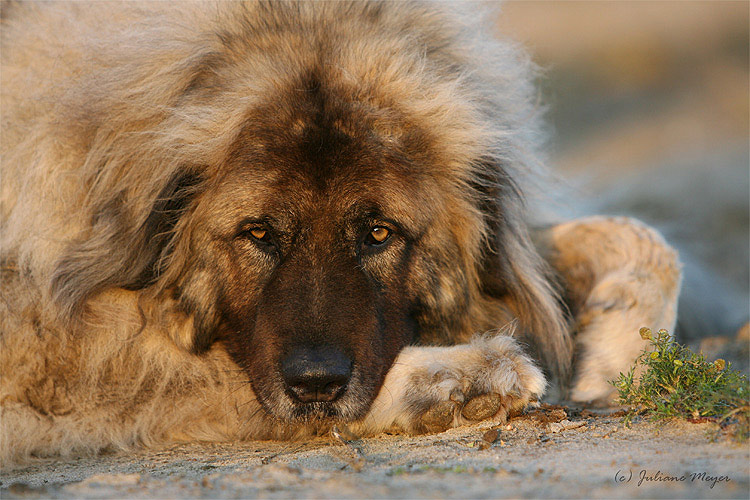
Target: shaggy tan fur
(124,149)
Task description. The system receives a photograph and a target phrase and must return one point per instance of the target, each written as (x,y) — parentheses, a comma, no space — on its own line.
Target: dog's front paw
(430,389)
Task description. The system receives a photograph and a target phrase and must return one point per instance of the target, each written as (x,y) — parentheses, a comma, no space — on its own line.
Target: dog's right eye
(377,237)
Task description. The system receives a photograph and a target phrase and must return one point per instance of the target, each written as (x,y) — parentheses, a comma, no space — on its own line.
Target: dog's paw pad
(482,407)
(439,417)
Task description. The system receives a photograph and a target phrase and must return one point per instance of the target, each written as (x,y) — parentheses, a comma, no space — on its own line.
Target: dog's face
(311,250)
(309,186)
(325,231)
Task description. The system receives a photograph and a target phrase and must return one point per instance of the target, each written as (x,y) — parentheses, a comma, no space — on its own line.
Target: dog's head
(323,246)
(314,218)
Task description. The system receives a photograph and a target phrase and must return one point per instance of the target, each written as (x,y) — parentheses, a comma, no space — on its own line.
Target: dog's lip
(317,411)
(290,395)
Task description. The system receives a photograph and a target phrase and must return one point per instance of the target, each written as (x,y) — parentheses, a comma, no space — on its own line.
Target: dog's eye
(378,236)
(258,234)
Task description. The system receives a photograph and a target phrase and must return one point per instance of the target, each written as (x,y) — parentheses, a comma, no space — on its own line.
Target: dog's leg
(431,389)
(619,275)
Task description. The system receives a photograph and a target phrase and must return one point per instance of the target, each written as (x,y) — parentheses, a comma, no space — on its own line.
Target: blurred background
(650,104)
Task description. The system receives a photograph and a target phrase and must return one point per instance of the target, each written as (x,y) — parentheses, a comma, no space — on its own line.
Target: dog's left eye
(377,236)
(258,234)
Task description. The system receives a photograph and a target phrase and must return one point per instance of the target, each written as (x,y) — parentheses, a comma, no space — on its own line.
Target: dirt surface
(551,452)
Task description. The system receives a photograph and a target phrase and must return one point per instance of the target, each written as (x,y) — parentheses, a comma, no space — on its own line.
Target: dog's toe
(439,417)
(482,407)
(444,414)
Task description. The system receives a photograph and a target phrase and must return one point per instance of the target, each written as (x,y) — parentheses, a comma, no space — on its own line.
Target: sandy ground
(552,452)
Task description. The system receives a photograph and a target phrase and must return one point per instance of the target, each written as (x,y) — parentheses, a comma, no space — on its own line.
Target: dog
(256,220)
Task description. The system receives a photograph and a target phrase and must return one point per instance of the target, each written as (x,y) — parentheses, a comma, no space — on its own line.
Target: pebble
(564,425)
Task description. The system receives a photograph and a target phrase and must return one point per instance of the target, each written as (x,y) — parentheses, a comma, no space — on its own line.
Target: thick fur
(139,156)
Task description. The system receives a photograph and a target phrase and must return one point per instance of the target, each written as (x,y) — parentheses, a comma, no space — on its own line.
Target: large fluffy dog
(249,220)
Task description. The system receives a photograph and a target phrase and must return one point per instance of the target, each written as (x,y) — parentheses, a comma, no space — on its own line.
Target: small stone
(575,425)
(564,425)
(490,436)
(554,427)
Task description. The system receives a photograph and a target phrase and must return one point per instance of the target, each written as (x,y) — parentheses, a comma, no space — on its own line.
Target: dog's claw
(482,407)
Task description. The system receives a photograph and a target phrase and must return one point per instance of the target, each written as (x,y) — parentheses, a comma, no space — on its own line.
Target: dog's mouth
(316,411)
(346,403)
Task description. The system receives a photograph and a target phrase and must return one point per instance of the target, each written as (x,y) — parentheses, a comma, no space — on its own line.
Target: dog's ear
(125,247)
(160,224)
(512,270)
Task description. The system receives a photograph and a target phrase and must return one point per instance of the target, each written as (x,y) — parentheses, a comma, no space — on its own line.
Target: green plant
(668,380)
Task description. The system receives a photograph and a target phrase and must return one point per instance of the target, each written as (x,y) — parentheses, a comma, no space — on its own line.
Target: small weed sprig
(675,382)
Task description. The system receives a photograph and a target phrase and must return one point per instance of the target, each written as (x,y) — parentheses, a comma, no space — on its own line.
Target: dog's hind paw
(431,389)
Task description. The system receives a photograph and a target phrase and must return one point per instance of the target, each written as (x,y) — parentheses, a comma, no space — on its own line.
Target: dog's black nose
(316,373)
